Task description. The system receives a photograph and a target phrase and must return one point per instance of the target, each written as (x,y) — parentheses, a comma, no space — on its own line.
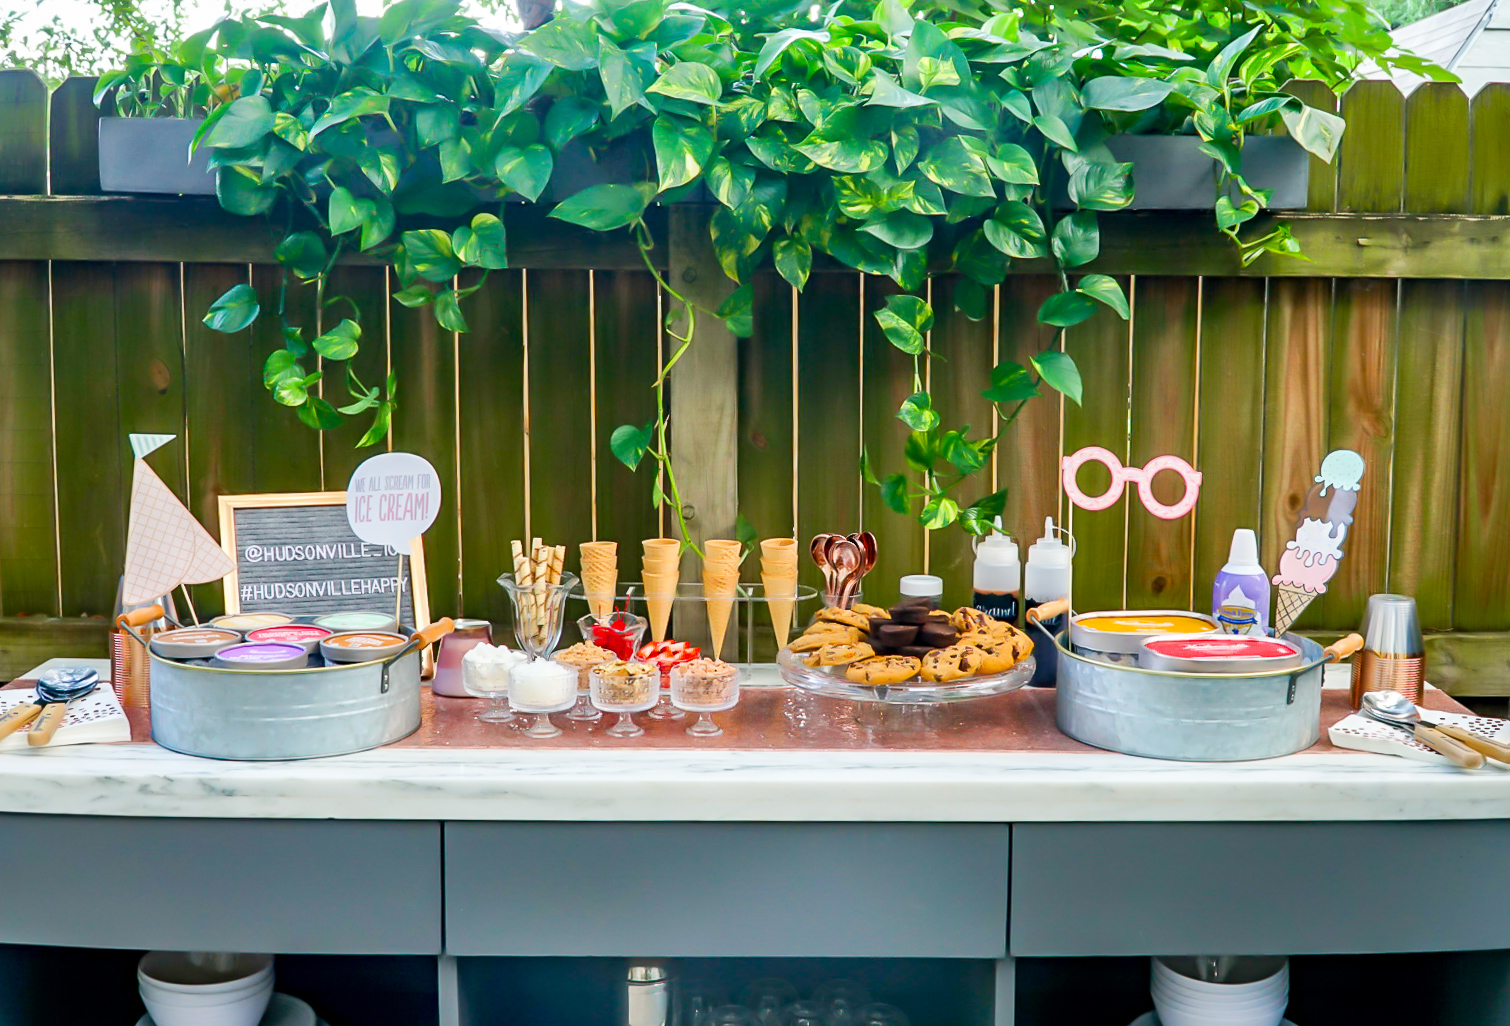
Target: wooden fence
(1394,342)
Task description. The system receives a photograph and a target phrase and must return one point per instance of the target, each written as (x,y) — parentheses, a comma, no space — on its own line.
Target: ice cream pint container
(361,646)
(1240,596)
(1220,653)
(998,576)
(244,622)
(261,655)
(291,634)
(341,622)
(1117,636)
(192,642)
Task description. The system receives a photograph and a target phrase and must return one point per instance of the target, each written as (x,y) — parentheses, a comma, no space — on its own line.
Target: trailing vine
(899,140)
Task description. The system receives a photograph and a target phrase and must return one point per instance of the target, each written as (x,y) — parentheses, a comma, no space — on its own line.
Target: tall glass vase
(538,618)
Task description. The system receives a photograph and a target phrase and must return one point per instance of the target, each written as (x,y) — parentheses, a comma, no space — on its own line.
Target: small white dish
(282,1010)
(179,971)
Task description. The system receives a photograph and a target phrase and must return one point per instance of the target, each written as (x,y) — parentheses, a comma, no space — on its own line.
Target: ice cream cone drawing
(1311,557)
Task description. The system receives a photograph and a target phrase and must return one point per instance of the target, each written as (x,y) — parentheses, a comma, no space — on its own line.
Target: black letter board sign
(296,554)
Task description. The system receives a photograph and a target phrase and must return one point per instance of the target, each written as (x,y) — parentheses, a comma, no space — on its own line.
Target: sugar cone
(720,584)
(660,592)
(600,576)
(1291,602)
(778,572)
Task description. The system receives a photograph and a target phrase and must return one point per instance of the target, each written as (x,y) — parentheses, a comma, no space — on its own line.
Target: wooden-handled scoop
(55,690)
(20,716)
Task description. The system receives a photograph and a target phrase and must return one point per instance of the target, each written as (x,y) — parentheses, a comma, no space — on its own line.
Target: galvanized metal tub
(273,715)
(1191,717)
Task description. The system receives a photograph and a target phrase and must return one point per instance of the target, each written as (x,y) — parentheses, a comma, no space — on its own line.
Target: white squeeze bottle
(1240,596)
(1047,577)
(998,575)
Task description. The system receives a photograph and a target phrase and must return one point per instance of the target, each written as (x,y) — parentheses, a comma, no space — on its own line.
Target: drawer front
(727,889)
(296,886)
(1251,888)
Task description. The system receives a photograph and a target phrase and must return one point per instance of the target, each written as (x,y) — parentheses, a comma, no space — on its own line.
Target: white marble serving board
(1369,735)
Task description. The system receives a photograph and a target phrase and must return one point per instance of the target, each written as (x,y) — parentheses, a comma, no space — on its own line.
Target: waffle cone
(1288,606)
(599,583)
(781,595)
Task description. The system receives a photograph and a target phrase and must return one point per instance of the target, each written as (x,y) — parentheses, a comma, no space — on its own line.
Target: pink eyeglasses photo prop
(1122,476)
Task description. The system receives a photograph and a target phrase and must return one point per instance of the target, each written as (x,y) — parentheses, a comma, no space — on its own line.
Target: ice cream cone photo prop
(1311,557)
(600,575)
(720,584)
(778,573)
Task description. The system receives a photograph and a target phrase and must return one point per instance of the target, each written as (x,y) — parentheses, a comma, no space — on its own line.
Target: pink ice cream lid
(1220,647)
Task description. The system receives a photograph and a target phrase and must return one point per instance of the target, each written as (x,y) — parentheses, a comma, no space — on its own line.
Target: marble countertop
(895,781)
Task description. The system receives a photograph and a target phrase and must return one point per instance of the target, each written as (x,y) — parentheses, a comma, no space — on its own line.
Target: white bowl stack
(182,988)
(1255,992)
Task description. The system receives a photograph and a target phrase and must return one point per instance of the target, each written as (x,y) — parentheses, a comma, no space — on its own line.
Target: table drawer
(1236,888)
(727,889)
(305,886)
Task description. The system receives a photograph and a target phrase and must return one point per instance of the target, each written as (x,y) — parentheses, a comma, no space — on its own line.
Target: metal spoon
(55,689)
(1397,708)
(1387,711)
(847,559)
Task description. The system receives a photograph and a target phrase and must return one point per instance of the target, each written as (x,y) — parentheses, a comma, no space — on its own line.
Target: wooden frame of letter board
(229,504)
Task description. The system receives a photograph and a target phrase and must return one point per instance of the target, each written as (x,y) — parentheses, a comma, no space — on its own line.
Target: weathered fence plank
(28,548)
(74,139)
(23,133)
(1322,187)
(1489,171)
(1230,422)
(1371,161)
(1027,464)
(1481,598)
(1436,149)
(627,325)
(365,288)
(288,453)
(1166,354)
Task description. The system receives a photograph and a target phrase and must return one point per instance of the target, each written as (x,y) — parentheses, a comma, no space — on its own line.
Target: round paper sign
(392,499)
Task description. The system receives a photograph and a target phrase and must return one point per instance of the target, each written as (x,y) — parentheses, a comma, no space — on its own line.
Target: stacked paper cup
(600,575)
(1226,991)
(778,572)
(661,576)
(720,583)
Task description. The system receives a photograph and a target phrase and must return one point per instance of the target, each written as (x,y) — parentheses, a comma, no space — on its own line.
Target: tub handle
(1049,610)
(1343,647)
(419,639)
(128,622)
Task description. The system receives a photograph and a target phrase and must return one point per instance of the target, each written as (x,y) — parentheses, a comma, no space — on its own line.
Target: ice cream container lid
(361,646)
(192,642)
(262,655)
(303,634)
(1123,630)
(358,621)
(1223,653)
(250,621)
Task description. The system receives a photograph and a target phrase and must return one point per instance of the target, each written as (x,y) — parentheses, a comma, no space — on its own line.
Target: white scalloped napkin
(1369,735)
(95,718)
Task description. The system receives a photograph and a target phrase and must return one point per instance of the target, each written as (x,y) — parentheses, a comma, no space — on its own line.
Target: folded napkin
(1369,735)
(97,717)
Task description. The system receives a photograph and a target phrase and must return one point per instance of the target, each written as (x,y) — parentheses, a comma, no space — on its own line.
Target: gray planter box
(152,155)
(1171,173)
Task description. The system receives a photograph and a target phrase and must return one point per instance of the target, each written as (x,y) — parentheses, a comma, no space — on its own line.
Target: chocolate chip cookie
(839,655)
(846,617)
(879,670)
(995,656)
(949,664)
(832,634)
(967,620)
(873,612)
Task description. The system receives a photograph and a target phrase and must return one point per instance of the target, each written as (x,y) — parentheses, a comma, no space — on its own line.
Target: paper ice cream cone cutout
(1289,603)
(720,584)
(600,575)
(165,545)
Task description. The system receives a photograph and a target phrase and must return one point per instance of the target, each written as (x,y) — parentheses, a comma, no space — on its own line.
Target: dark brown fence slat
(491,453)
(1027,461)
(1164,384)
(886,377)
(28,549)
(287,454)
(1295,411)
(627,324)
(1428,448)
(559,437)
(74,139)
(1361,415)
(1323,184)
(1436,149)
(1100,349)
(1371,162)
(1230,404)
(367,288)
(91,471)
(23,133)
(958,376)
(1481,600)
(766,483)
(828,418)
(425,357)
(1489,171)
(222,389)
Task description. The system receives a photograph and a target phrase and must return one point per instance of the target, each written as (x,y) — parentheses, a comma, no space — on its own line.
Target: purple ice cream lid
(261,652)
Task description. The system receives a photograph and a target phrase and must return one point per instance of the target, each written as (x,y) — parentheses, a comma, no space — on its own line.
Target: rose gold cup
(1393,657)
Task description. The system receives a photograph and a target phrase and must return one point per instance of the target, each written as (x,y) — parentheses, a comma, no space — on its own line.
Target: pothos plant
(896,140)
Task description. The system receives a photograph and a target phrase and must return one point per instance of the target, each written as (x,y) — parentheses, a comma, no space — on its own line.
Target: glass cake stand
(912,705)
